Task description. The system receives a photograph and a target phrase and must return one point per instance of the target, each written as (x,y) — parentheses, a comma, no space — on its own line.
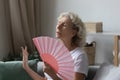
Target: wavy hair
(80,38)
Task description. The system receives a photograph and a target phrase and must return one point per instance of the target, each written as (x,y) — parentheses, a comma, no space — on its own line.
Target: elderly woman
(71,31)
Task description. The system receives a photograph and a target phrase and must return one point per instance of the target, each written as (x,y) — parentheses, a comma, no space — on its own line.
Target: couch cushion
(13,70)
(40,68)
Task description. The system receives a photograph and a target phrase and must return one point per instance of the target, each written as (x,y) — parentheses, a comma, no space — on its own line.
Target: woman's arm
(33,74)
(79,76)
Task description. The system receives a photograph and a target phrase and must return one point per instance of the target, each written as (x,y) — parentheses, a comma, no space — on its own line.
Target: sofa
(92,71)
(13,70)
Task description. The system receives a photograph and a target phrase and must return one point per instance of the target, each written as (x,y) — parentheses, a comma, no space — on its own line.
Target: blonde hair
(80,37)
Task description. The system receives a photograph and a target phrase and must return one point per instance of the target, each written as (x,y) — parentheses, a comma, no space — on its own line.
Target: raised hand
(25,57)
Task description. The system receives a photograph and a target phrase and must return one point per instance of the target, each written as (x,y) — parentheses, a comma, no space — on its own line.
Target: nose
(59,26)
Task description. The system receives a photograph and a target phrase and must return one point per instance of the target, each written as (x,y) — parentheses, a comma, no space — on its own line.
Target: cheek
(68,34)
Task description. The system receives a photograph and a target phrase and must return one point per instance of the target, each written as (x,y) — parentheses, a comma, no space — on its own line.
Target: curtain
(23,21)
(5,44)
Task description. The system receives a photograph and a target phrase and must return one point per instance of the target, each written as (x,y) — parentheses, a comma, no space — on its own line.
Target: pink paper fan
(53,52)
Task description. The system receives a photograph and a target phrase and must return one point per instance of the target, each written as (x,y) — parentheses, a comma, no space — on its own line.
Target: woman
(71,31)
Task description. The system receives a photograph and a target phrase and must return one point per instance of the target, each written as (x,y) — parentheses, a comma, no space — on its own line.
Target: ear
(74,32)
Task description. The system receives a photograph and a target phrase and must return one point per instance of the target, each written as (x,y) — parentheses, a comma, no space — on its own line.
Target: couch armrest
(92,71)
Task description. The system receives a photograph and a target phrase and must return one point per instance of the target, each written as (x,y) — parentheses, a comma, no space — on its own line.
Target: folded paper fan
(53,52)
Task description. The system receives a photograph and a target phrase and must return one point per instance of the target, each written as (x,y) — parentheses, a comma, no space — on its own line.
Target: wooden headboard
(116,49)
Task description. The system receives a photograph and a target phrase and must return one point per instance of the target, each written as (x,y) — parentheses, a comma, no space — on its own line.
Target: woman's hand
(50,71)
(25,57)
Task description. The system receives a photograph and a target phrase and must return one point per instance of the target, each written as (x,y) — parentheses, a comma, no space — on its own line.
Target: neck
(68,44)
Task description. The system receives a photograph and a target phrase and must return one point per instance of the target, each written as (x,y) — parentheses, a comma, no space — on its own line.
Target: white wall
(107,11)
(96,10)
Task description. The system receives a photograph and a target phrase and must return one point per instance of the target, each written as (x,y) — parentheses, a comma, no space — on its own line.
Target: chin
(57,36)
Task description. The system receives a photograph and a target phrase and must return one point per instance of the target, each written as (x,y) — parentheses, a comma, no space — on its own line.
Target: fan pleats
(53,52)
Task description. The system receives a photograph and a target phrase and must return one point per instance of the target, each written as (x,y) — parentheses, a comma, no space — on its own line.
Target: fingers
(25,53)
(25,56)
(24,49)
(46,65)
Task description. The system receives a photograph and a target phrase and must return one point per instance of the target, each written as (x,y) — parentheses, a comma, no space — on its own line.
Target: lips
(58,34)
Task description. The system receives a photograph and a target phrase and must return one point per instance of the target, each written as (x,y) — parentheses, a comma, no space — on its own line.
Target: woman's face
(64,29)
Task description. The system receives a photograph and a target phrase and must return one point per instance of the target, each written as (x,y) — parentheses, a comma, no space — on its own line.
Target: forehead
(65,19)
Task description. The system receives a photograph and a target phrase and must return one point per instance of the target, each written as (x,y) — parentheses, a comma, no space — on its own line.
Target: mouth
(58,33)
